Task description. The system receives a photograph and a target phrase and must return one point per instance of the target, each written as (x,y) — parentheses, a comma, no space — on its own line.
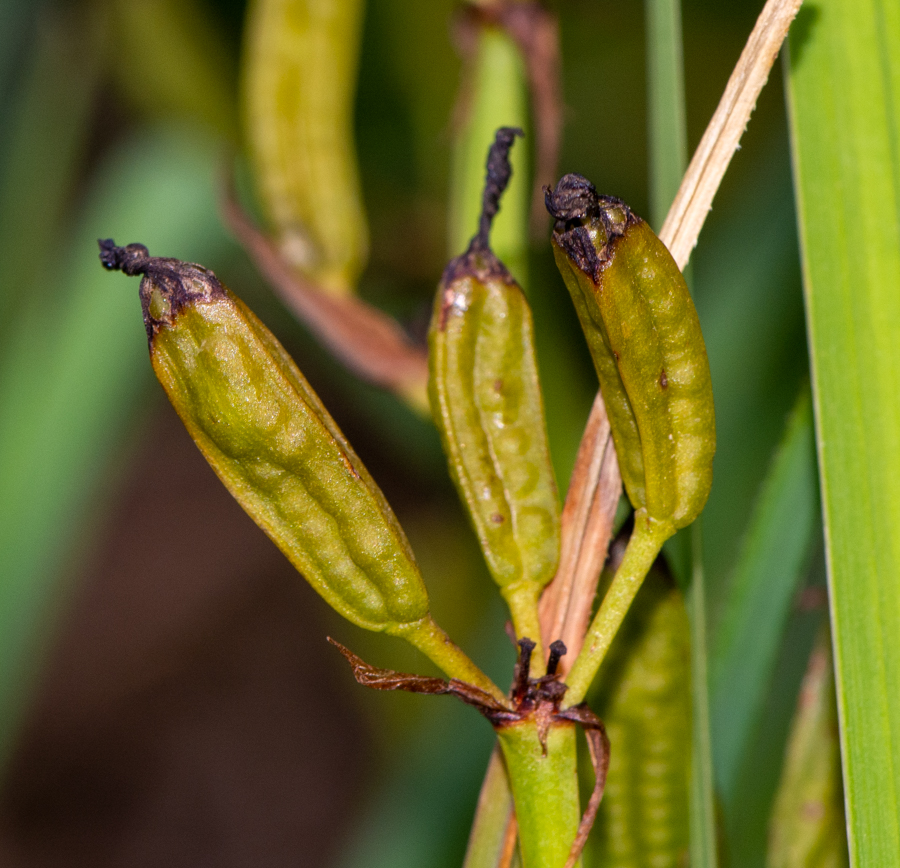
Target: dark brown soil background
(174,724)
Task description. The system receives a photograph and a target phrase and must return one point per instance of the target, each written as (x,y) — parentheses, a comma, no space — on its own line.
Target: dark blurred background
(166,692)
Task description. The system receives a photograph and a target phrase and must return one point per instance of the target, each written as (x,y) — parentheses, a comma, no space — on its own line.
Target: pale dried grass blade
(704,175)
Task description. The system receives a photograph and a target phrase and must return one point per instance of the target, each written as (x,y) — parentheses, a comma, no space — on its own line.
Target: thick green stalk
(544,782)
(643,548)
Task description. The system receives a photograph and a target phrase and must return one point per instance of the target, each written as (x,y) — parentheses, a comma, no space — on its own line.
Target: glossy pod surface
(487,401)
(645,340)
(276,448)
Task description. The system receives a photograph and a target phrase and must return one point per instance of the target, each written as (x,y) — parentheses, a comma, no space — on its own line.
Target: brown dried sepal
(389,679)
(539,697)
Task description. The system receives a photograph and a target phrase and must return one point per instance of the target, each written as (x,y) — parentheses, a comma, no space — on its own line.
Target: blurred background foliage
(166,694)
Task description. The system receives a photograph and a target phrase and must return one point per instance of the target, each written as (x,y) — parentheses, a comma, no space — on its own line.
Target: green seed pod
(807,826)
(270,440)
(488,406)
(299,80)
(643,695)
(644,336)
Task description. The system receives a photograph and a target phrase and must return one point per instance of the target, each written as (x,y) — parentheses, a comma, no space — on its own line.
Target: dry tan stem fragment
(688,212)
(586,528)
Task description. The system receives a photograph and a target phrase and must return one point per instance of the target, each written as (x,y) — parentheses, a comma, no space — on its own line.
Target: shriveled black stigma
(479,260)
(574,205)
(557,650)
(132,260)
(180,283)
(496,180)
(575,198)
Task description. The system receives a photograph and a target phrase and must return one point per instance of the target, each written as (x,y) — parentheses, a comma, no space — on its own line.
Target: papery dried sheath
(270,440)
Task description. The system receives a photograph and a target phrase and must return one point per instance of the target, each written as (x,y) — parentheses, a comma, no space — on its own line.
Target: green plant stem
(665,97)
(522,600)
(438,647)
(545,788)
(643,547)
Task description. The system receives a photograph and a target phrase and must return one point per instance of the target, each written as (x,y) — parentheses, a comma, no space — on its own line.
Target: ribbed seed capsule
(644,336)
(270,440)
(488,406)
(300,63)
(643,694)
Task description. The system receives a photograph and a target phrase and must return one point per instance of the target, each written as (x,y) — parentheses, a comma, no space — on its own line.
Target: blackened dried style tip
(499,171)
(575,198)
(479,260)
(176,283)
(557,650)
(131,260)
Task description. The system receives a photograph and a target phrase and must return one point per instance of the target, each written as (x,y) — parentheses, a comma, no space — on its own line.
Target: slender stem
(643,547)
(438,647)
(522,600)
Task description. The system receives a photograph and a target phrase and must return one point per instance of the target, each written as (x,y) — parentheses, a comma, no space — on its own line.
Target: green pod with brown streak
(644,336)
(299,81)
(268,437)
(487,403)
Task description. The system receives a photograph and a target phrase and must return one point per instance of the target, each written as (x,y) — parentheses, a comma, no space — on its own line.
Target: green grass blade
(773,557)
(666,113)
(844,95)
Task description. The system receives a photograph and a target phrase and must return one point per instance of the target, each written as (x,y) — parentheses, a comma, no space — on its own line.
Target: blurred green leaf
(774,555)
(46,136)
(170,61)
(70,378)
(807,827)
(844,95)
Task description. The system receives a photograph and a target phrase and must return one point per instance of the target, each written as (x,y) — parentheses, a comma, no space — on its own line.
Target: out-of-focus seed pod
(807,827)
(488,406)
(299,80)
(643,695)
(645,340)
(270,440)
